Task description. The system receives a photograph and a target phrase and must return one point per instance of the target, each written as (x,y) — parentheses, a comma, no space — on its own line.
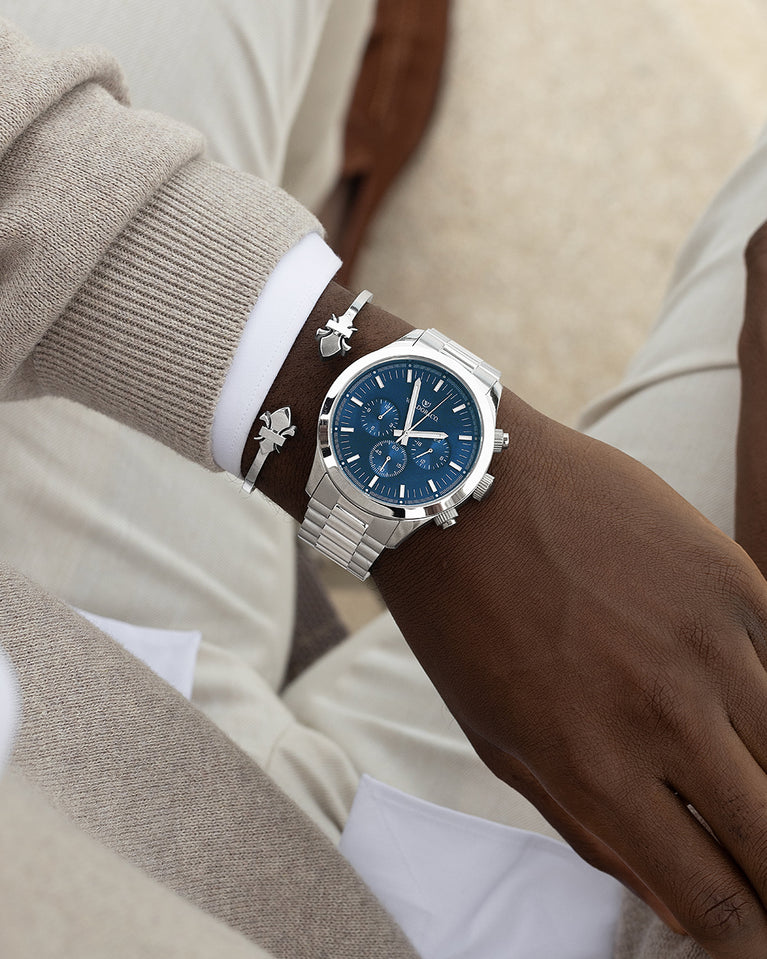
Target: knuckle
(728,574)
(660,708)
(699,637)
(721,914)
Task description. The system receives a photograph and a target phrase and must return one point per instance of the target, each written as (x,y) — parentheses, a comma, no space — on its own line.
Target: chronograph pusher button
(483,486)
(448,517)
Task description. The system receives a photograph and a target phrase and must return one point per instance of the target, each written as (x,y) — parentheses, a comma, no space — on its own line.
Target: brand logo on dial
(423,407)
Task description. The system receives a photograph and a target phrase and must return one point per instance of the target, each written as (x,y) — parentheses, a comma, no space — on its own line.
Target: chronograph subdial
(388,458)
(379,417)
(430,454)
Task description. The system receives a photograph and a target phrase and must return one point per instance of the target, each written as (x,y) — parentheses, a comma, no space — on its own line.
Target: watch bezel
(407,348)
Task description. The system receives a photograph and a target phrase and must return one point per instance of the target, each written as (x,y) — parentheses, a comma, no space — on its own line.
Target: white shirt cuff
(283,307)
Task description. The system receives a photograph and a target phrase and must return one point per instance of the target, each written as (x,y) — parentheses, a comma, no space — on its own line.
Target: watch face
(406,432)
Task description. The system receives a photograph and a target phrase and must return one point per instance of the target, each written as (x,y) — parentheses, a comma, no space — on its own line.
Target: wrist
(302,383)
(437,555)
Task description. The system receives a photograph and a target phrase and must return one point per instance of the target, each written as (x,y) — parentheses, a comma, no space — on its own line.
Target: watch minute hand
(405,435)
(422,434)
(413,402)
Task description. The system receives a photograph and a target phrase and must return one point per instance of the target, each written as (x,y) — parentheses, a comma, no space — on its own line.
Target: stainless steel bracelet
(486,374)
(347,534)
(343,532)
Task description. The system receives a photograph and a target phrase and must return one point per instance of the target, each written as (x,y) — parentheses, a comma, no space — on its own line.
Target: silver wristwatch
(405,435)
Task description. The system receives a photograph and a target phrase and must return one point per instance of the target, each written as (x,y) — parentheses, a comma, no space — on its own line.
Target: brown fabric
(393,101)
(317,627)
(141,770)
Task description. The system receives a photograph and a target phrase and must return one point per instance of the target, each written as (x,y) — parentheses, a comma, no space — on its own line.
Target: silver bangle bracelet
(335,335)
(272,435)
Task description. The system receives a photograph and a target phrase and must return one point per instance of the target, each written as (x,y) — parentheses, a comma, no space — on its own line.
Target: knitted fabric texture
(641,935)
(129,262)
(128,914)
(143,771)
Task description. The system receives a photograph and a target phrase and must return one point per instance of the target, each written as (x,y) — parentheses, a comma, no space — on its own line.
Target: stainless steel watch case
(396,523)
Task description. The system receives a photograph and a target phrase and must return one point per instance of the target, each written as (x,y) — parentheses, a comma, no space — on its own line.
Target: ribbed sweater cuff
(149,337)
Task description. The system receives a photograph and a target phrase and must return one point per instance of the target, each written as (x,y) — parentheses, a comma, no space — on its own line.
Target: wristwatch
(405,435)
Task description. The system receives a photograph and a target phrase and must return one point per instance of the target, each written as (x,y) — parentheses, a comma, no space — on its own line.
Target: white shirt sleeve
(275,321)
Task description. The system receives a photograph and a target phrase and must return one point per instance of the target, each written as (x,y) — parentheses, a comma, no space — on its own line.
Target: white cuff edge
(282,309)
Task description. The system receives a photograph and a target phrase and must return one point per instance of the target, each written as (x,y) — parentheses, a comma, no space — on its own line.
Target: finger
(734,805)
(599,855)
(595,852)
(672,853)
(753,336)
(751,488)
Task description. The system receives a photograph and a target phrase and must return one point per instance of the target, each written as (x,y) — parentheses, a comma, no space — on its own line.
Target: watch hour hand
(422,435)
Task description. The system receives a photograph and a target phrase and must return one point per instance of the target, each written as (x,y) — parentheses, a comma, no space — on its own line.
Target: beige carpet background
(573,147)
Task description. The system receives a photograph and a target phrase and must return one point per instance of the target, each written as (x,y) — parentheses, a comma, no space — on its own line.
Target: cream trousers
(113,523)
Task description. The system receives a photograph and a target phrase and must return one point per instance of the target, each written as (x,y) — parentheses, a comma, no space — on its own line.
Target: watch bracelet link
(337,532)
(486,374)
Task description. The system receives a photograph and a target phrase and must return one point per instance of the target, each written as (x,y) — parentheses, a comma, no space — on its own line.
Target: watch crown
(483,486)
(501,441)
(448,518)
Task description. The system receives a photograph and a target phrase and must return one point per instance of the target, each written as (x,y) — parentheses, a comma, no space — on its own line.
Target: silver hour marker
(359,402)
(402,491)
(410,376)
(347,429)
(455,466)
(456,409)
(380,382)
(373,481)
(433,486)
(354,458)
(465,437)
(438,387)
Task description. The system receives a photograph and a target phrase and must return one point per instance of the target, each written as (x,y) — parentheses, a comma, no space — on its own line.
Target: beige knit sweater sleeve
(128,262)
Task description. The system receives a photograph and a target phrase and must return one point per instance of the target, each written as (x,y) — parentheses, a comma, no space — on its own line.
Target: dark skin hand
(601,644)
